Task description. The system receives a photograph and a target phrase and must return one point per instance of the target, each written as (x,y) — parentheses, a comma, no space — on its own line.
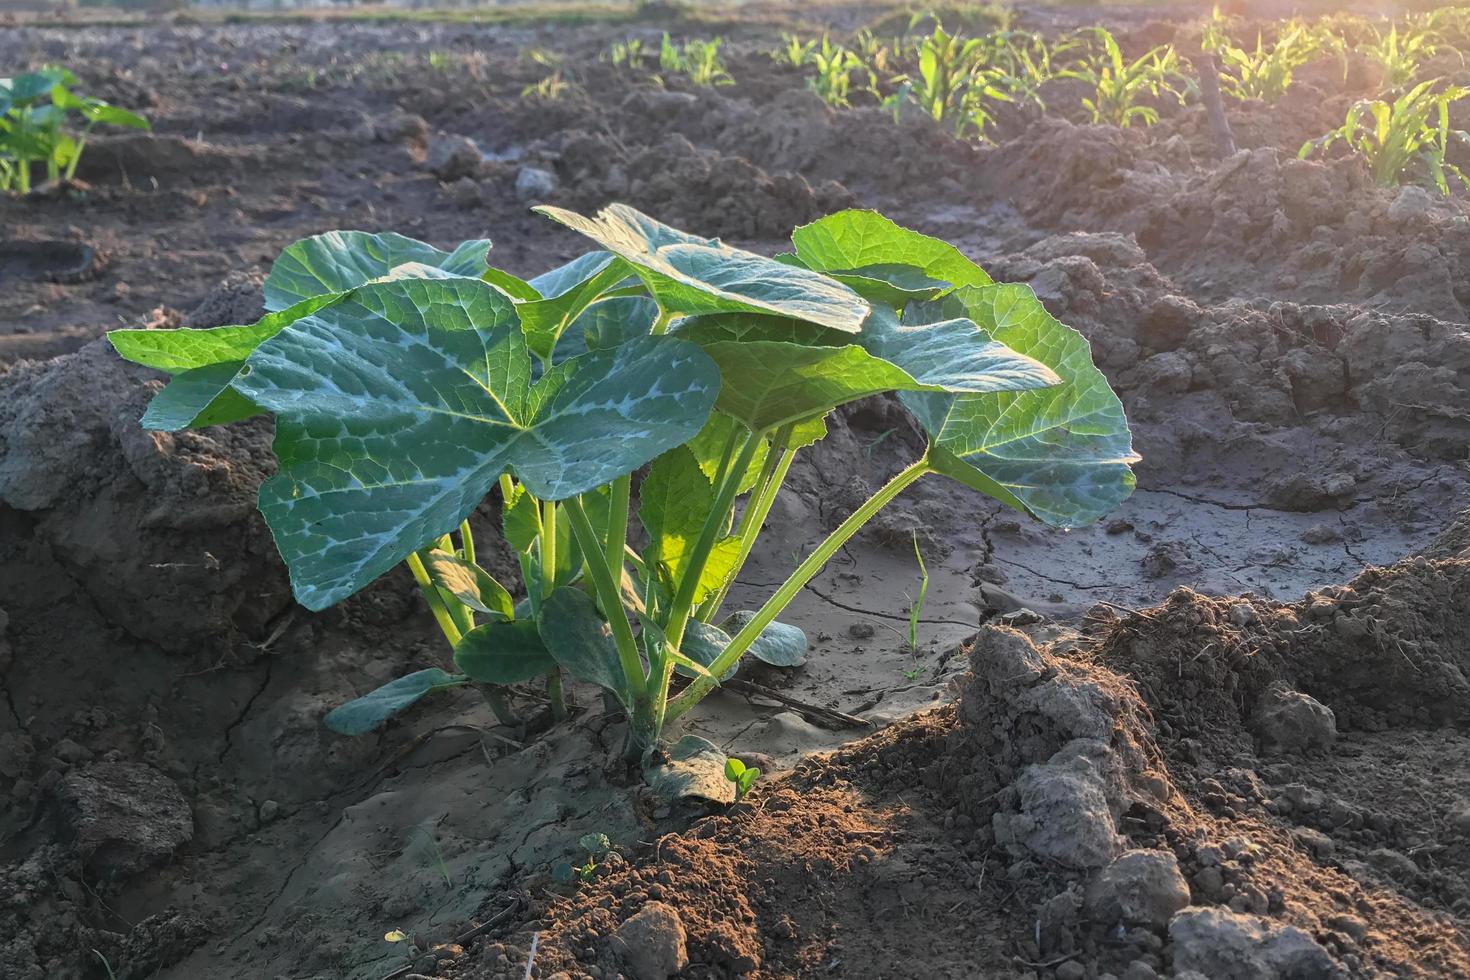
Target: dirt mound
(1052,823)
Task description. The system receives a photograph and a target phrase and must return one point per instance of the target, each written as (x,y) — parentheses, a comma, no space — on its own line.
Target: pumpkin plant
(36,128)
(408,383)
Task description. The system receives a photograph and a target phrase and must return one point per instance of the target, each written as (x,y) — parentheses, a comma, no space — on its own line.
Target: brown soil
(1291,344)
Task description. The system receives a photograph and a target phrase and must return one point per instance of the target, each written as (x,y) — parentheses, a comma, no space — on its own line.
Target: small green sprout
(1400,56)
(697,59)
(744,777)
(793,51)
(596,847)
(1266,72)
(629,54)
(916,608)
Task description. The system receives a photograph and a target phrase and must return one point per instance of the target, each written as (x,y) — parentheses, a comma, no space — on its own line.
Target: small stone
(1290,721)
(464,193)
(1139,970)
(1168,372)
(652,943)
(1322,534)
(451,157)
(535,184)
(1395,864)
(1071,970)
(269,810)
(861,631)
(1314,842)
(1141,887)
(1225,945)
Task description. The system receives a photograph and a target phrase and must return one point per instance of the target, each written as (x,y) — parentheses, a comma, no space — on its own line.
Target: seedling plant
(39,114)
(595,848)
(1266,72)
(1395,138)
(743,777)
(408,383)
(1120,86)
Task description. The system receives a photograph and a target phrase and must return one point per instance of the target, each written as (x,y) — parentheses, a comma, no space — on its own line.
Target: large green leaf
(340,260)
(400,406)
(851,241)
(360,716)
(1063,453)
(777,370)
(608,323)
(204,363)
(503,653)
(673,501)
(581,641)
(565,292)
(690,275)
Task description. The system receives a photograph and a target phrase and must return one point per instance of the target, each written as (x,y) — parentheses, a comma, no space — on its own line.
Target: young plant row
(45,124)
(408,384)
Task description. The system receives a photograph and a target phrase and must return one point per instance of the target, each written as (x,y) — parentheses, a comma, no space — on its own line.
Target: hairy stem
(436,602)
(611,599)
(617,524)
(548,547)
(467,541)
(789,589)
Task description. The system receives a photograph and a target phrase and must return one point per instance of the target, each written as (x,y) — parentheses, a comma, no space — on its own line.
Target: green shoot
(793,51)
(630,54)
(916,607)
(744,777)
(1395,138)
(595,847)
(1400,56)
(698,60)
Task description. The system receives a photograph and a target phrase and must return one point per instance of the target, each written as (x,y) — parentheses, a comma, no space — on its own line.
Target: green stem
(661,325)
(467,541)
(500,705)
(434,599)
(714,524)
(789,589)
(617,524)
(773,475)
(558,696)
(611,599)
(548,547)
(71,166)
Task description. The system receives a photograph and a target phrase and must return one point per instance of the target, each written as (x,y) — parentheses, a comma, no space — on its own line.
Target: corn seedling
(916,607)
(793,51)
(1266,73)
(1119,85)
(408,383)
(833,65)
(1400,56)
(1392,137)
(955,87)
(698,60)
(36,126)
(742,776)
(630,54)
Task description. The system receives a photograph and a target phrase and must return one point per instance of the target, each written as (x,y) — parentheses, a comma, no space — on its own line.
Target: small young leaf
(689,275)
(469,583)
(581,641)
(853,240)
(503,653)
(395,936)
(362,715)
(563,872)
(779,644)
(709,445)
(734,769)
(595,844)
(521,519)
(702,644)
(341,260)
